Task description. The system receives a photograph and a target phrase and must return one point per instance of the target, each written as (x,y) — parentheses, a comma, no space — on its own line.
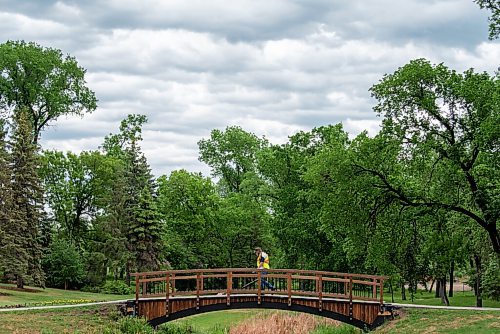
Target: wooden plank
(156,279)
(259,288)
(333,279)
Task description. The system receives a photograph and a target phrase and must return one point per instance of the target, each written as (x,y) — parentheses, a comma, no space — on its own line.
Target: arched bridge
(356,299)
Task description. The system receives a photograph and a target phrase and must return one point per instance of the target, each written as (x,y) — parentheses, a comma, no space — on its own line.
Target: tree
(64,265)
(494,7)
(131,212)
(188,204)
(232,155)
(21,252)
(5,188)
(446,125)
(296,196)
(43,82)
(73,185)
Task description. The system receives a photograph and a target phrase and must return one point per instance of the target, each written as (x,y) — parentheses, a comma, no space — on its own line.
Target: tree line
(417,202)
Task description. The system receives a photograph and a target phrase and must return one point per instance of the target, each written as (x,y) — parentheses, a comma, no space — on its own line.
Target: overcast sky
(273,67)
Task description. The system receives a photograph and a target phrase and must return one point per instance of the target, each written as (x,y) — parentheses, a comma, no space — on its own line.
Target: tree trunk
(127,274)
(432,285)
(403,291)
(438,286)
(452,269)
(392,290)
(478,288)
(494,236)
(19,282)
(442,292)
(65,285)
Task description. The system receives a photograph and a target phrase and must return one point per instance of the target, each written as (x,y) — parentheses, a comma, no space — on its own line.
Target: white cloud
(272,67)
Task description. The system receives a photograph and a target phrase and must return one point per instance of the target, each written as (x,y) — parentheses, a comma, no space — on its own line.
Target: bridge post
(229,287)
(374,289)
(319,289)
(259,289)
(167,295)
(136,289)
(350,297)
(381,291)
(198,291)
(289,288)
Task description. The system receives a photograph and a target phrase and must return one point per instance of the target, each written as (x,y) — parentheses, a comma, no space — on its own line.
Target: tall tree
(188,204)
(22,249)
(73,184)
(444,120)
(43,82)
(5,186)
(232,155)
(132,215)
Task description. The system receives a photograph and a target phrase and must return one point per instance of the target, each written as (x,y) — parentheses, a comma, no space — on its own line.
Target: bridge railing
(227,282)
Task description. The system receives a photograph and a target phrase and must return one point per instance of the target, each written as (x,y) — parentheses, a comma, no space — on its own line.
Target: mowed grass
(13,297)
(422,297)
(89,320)
(207,322)
(92,320)
(443,321)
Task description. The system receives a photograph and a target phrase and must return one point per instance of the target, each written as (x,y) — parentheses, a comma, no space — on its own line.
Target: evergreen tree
(143,239)
(5,193)
(22,250)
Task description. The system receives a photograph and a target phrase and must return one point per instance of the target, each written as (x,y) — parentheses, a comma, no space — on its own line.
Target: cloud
(272,67)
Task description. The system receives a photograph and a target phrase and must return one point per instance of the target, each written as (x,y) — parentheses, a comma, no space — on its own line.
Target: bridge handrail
(288,282)
(224,270)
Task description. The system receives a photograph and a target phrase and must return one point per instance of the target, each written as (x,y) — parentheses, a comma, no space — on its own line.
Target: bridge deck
(168,295)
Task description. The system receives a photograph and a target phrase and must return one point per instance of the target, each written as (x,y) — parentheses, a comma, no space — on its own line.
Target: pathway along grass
(41,297)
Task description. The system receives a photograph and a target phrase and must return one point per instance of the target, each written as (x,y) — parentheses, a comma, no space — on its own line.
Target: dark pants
(264,283)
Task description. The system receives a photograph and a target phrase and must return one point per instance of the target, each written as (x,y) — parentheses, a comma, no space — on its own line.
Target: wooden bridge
(351,298)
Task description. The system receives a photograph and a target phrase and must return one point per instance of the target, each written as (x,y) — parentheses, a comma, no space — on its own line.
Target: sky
(273,67)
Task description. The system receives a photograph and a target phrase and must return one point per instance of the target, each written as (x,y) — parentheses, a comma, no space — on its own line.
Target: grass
(221,320)
(422,297)
(93,320)
(49,296)
(443,321)
(89,320)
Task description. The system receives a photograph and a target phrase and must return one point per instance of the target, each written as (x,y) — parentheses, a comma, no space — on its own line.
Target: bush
(63,265)
(130,325)
(117,288)
(491,279)
(177,329)
(89,288)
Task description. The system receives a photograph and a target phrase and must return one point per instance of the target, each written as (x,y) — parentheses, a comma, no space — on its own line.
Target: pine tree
(22,250)
(143,234)
(5,193)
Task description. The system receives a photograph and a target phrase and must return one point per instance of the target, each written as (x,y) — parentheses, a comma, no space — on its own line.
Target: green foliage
(494,19)
(21,251)
(117,288)
(63,265)
(325,329)
(43,82)
(491,279)
(129,325)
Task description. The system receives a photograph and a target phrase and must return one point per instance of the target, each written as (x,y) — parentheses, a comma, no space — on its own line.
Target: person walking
(263,264)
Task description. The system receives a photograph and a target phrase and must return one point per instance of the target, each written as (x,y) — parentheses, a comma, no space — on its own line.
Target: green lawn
(207,322)
(422,297)
(89,320)
(443,321)
(49,296)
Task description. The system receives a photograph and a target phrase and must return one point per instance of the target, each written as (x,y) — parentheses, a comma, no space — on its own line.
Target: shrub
(491,279)
(117,288)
